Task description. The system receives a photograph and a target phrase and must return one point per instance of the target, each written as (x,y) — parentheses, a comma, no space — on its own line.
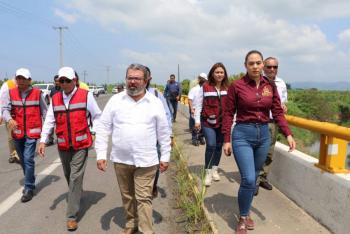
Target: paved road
(101,212)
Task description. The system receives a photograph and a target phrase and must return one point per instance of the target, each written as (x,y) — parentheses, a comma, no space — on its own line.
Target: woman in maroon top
(251,98)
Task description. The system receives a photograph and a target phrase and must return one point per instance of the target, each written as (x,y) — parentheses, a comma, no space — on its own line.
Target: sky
(310,38)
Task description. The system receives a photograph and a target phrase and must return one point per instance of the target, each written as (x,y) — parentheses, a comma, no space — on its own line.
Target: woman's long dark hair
(211,80)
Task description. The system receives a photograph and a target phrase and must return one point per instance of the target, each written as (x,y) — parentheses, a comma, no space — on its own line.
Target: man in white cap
(68,112)
(197,137)
(6,86)
(23,113)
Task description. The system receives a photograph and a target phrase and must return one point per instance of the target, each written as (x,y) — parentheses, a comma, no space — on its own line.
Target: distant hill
(341,85)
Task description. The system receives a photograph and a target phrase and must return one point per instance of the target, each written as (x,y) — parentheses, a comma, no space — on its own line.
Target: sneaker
(249,223)
(195,143)
(265,185)
(208,177)
(241,226)
(215,173)
(202,141)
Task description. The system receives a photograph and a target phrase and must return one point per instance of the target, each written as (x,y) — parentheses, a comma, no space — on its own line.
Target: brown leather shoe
(129,230)
(241,226)
(72,225)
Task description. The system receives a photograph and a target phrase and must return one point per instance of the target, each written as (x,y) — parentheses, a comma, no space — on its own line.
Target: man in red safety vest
(69,112)
(23,113)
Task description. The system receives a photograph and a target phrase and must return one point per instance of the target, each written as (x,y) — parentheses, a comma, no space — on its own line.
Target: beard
(135,91)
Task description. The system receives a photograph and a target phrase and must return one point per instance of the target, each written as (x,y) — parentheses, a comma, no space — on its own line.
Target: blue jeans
(173,106)
(250,143)
(213,149)
(25,148)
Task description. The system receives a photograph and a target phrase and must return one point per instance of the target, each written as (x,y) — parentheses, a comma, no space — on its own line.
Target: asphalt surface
(101,205)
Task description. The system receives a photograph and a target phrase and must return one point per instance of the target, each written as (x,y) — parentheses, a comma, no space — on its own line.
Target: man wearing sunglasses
(23,112)
(270,71)
(68,113)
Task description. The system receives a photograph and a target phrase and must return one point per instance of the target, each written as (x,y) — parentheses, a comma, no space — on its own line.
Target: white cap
(203,75)
(23,72)
(66,72)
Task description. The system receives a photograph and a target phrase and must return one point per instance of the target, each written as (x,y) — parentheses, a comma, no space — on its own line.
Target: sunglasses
(68,81)
(270,67)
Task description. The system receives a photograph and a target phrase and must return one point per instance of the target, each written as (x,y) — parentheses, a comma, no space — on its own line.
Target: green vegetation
(189,198)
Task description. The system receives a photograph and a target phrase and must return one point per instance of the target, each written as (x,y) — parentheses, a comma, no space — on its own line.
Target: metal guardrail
(333,141)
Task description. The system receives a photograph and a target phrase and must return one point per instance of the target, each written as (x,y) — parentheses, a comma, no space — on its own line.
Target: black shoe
(195,143)
(202,141)
(265,185)
(27,196)
(256,192)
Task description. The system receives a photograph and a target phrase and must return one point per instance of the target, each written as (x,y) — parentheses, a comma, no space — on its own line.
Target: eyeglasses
(135,79)
(270,67)
(68,81)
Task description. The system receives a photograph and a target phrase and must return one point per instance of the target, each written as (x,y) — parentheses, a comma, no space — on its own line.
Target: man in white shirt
(197,137)
(6,86)
(270,71)
(136,120)
(68,112)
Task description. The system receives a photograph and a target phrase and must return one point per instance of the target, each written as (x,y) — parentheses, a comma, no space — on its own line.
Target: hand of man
(41,149)
(227,149)
(12,124)
(177,98)
(102,164)
(1,119)
(163,166)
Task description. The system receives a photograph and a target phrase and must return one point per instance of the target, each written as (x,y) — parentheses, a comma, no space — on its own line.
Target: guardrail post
(332,154)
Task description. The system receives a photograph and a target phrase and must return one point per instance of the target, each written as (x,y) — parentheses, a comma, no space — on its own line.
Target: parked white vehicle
(46,89)
(94,90)
(101,89)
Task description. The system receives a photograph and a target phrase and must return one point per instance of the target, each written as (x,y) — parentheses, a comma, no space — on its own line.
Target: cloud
(69,18)
(198,33)
(344,36)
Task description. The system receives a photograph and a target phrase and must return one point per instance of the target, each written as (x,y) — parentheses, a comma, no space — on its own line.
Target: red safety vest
(26,113)
(213,106)
(72,128)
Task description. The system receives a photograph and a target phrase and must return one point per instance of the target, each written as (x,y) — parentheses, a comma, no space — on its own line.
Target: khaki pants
(268,162)
(136,184)
(11,143)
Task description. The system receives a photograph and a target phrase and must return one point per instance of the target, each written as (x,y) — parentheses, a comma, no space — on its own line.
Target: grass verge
(189,198)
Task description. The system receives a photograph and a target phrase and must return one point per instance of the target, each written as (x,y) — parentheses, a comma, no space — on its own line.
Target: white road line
(13,198)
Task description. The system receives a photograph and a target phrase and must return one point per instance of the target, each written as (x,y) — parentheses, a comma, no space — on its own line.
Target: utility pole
(84,74)
(107,69)
(61,28)
(178,73)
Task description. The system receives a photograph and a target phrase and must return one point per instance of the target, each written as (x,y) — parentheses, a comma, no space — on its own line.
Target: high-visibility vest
(72,128)
(26,113)
(213,106)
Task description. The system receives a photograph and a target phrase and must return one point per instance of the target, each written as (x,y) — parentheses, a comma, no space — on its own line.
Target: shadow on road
(88,199)
(116,215)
